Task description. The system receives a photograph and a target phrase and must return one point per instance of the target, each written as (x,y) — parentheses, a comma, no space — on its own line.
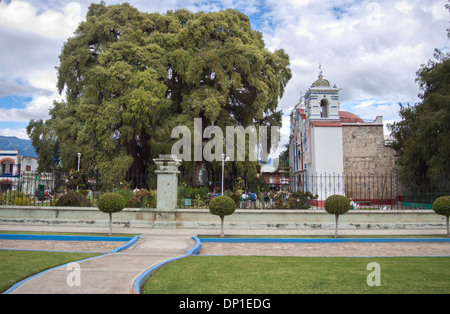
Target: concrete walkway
(113,273)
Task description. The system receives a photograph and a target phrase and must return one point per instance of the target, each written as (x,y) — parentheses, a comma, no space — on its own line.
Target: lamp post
(79,156)
(223,166)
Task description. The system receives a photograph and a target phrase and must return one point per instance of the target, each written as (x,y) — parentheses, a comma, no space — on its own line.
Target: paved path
(328,249)
(112,273)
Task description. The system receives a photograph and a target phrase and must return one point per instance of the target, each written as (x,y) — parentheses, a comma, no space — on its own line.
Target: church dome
(348,117)
(321,82)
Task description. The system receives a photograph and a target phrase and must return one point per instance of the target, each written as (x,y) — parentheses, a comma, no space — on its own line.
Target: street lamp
(223,166)
(79,155)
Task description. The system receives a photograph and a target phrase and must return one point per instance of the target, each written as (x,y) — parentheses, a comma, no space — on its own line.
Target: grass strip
(300,275)
(18,265)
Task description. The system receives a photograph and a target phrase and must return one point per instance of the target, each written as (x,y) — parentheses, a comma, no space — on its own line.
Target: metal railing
(295,191)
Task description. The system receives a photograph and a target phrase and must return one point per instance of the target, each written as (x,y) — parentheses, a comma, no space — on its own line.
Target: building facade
(19,173)
(328,145)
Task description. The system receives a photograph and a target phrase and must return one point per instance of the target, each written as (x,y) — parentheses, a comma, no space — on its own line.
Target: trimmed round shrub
(222,206)
(337,204)
(441,206)
(111,203)
(73,198)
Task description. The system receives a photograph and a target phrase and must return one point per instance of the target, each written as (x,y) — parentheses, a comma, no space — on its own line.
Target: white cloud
(50,23)
(37,108)
(45,79)
(403,6)
(20,133)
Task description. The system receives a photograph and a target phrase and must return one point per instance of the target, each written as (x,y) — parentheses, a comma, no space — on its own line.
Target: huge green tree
(423,134)
(129,77)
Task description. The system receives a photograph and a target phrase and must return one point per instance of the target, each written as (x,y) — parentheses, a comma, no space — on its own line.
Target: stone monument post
(167,183)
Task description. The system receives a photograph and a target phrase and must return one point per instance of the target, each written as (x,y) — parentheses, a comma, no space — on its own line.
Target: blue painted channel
(321,240)
(61,237)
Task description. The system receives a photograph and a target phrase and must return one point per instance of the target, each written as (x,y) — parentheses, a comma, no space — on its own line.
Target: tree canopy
(423,134)
(129,77)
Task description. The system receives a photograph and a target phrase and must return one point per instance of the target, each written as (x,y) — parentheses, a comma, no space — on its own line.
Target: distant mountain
(23,146)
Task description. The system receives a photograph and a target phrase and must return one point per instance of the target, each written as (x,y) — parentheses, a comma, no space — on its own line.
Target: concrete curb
(62,237)
(318,240)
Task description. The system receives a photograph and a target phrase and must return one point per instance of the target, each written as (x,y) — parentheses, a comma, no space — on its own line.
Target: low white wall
(241,219)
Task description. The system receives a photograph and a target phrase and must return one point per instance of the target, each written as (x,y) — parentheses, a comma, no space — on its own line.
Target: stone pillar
(167,185)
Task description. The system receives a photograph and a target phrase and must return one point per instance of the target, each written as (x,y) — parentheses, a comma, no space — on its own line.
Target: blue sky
(369,49)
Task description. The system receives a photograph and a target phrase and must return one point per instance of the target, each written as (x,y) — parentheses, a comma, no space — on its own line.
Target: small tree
(441,206)
(111,203)
(222,206)
(337,205)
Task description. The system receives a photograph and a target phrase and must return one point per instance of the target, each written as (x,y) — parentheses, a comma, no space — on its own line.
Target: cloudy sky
(369,49)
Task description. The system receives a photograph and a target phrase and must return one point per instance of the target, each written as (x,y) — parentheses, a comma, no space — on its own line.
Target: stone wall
(368,159)
(364,150)
(202,218)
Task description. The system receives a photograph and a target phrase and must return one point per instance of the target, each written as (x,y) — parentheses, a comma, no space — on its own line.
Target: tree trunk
(110,224)
(336,227)
(196,173)
(222,235)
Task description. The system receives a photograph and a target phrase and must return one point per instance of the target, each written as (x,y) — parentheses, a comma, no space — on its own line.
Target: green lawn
(18,265)
(298,275)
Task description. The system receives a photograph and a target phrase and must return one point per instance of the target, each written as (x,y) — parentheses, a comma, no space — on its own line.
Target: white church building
(326,143)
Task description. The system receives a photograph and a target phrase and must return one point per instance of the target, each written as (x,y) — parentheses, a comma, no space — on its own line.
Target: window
(324,108)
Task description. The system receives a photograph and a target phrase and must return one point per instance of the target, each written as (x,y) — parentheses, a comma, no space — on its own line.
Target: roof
(344,117)
(348,117)
(321,82)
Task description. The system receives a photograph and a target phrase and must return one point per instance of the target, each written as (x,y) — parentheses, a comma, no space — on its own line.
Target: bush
(15,198)
(111,203)
(24,201)
(222,206)
(441,206)
(73,198)
(143,198)
(337,205)
(300,200)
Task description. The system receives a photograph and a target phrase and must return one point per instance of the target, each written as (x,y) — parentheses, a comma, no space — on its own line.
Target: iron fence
(375,190)
(291,191)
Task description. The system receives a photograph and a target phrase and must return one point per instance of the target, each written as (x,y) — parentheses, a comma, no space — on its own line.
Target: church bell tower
(322,100)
